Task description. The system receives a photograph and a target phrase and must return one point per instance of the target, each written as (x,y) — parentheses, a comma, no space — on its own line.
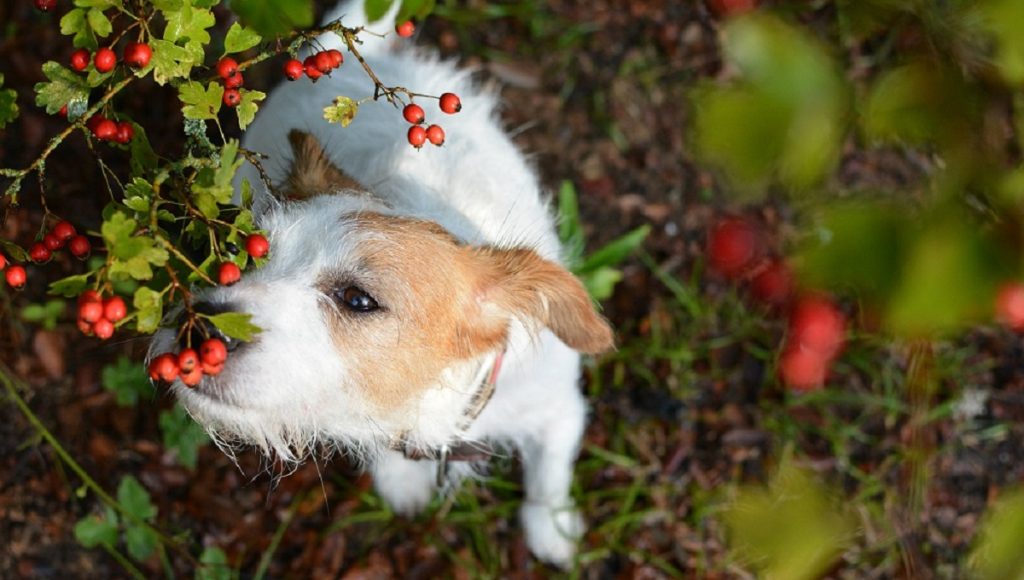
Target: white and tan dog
(413,309)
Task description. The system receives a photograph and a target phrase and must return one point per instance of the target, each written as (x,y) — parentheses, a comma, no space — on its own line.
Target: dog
(413,308)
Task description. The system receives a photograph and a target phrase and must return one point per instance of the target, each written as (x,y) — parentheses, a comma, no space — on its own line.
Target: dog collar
(461,450)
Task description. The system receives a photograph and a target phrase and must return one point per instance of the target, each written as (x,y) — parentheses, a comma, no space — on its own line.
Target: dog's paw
(407,486)
(552,532)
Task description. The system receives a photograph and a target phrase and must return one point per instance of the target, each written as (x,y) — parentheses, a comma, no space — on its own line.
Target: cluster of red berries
(314,66)
(189,365)
(413,113)
(136,55)
(97,316)
(62,233)
(256,245)
(15,274)
(231,77)
(106,129)
(736,250)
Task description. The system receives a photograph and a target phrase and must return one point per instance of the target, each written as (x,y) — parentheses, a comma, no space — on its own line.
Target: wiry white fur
(290,391)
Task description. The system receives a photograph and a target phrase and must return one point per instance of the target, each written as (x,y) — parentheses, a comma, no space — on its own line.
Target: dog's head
(371,321)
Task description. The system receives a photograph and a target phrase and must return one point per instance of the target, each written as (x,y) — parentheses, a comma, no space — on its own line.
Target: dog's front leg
(406,485)
(550,519)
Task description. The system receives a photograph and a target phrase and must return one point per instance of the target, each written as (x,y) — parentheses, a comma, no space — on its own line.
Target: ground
(689,404)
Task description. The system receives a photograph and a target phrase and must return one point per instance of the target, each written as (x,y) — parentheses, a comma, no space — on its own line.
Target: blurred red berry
(39,253)
(3,261)
(52,243)
(226,67)
(1010,305)
(188,359)
(229,273)
(137,54)
(413,113)
(773,284)
(45,5)
(80,60)
(257,245)
(732,246)
(79,247)
(63,112)
(89,296)
(84,327)
(63,230)
(232,97)
(114,309)
(450,103)
(103,329)
(164,368)
(309,66)
(731,7)
(16,276)
(104,60)
(817,325)
(435,134)
(323,62)
(106,130)
(125,133)
(803,369)
(94,122)
(405,29)
(293,69)
(336,57)
(211,369)
(234,81)
(90,311)
(213,351)
(191,377)
(417,136)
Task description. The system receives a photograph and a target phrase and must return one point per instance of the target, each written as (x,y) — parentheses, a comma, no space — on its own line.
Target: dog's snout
(202,329)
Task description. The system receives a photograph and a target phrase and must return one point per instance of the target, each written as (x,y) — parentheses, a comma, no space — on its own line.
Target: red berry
(309,65)
(63,230)
(45,5)
(435,134)
(89,296)
(114,309)
(90,311)
(16,276)
(817,325)
(80,60)
(39,253)
(803,369)
(212,370)
(103,329)
(450,103)
(234,81)
(293,69)
(94,122)
(405,29)
(417,136)
(52,243)
(323,62)
(125,133)
(164,368)
(137,54)
(232,97)
(106,130)
(79,247)
(732,246)
(256,245)
(63,112)
(213,352)
(336,57)
(413,113)
(731,7)
(3,261)
(1010,305)
(193,377)
(229,273)
(104,59)
(773,284)
(84,327)
(188,359)
(226,67)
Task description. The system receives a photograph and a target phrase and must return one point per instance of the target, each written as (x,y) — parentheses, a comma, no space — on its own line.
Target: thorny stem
(177,254)
(8,379)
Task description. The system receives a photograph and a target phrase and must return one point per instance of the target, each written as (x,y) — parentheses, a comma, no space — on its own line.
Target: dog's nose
(203,328)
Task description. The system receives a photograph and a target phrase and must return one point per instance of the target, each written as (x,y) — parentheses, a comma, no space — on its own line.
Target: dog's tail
(380,33)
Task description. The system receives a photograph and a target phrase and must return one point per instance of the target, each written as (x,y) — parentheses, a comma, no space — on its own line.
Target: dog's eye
(356,300)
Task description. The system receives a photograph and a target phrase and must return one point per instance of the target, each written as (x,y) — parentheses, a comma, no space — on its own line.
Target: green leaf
(71,286)
(140,541)
(214,565)
(63,87)
(143,159)
(171,61)
(138,194)
(570,231)
(183,435)
(76,23)
(8,104)
(234,324)
(376,9)
(188,24)
(99,23)
(1001,20)
(342,111)
(127,380)
(201,103)
(997,553)
(13,250)
(246,109)
(274,17)
(600,283)
(418,9)
(100,4)
(615,251)
(135,499)
(149,309)
(240,39)
(92,531)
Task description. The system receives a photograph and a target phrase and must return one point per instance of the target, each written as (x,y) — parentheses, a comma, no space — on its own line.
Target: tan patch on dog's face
(439,303)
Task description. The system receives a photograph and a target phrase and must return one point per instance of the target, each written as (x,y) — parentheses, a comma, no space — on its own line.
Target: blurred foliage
(997,553)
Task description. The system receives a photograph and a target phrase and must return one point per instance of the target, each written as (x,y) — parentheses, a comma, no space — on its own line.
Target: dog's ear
(522,284)
(312,172)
